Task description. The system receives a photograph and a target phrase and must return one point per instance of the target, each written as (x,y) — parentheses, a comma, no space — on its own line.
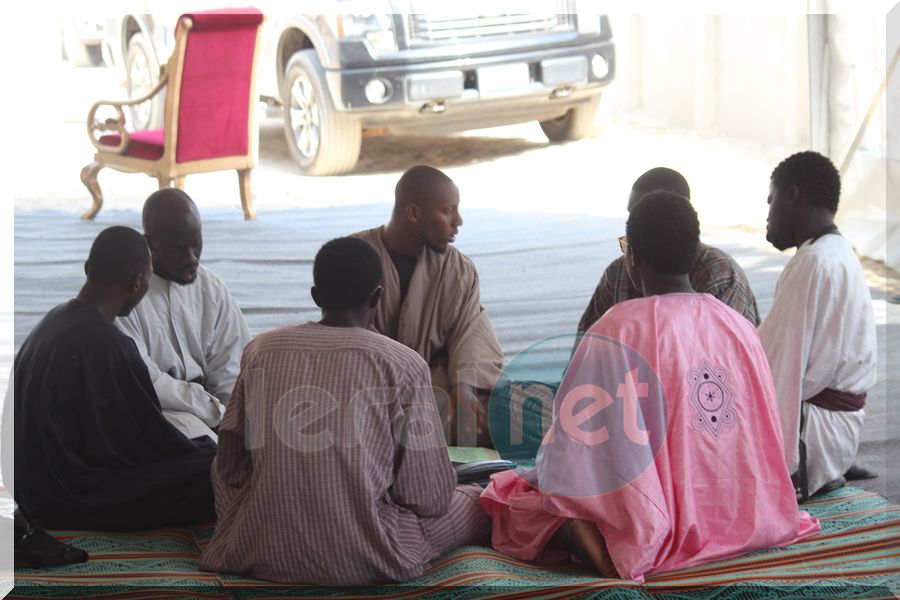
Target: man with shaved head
(713,272)
(92,447)
(188,328)
(431,301)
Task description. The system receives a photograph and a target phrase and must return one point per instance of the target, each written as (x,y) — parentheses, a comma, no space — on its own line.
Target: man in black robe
(92,448)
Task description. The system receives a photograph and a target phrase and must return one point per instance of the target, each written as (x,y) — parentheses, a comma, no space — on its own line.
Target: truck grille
(424,28)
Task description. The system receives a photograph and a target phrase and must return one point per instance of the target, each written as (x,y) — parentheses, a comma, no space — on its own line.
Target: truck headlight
(358,22)
(599,66)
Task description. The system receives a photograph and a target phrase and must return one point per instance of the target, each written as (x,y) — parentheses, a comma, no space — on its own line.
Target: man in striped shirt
(714,272)
(332,467)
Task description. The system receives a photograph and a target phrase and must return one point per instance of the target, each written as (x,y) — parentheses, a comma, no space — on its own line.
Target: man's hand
(208,408)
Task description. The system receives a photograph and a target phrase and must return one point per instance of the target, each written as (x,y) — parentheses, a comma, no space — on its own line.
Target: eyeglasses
(623,243)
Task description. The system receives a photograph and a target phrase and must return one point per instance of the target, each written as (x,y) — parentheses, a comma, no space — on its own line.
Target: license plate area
(503,80)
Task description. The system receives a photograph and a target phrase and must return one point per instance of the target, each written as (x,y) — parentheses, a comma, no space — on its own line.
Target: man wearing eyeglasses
(714,271)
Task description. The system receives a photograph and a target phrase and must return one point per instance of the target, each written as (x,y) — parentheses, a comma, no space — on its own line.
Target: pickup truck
(419,71)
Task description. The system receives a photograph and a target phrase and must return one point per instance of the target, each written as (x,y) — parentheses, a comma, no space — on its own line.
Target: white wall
(747,77)
(892,225)
(857,50)
(736,75)
(762,78)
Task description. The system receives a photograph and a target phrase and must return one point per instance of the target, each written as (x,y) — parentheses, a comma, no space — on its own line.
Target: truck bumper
(489,90)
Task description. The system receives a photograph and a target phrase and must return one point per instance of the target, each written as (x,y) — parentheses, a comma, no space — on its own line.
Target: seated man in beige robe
(431,301)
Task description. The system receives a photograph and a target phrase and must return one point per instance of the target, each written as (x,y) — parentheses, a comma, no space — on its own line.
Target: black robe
(92,447)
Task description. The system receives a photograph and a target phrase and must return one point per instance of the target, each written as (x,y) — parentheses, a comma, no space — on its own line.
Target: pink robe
(695,472)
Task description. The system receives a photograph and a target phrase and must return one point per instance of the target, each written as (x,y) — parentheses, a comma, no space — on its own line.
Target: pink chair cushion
(214,107)
(144,144)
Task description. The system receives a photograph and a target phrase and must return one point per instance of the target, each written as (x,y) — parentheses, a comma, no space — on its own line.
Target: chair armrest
(117,123)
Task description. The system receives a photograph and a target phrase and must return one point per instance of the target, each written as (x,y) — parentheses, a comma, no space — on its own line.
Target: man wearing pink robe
(666,437)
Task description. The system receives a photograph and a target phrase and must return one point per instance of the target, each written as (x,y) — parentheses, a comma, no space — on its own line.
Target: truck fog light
(378,91)
(599,67)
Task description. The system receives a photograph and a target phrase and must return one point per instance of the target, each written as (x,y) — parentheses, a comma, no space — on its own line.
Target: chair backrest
(210,101)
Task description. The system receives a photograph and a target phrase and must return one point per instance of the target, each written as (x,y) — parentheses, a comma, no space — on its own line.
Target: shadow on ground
(395,153)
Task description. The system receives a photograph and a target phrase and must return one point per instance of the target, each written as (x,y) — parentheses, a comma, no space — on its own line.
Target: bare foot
(584,540)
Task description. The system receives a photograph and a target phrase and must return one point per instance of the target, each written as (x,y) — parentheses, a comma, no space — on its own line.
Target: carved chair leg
(246,194)
(89,179)
(179,182)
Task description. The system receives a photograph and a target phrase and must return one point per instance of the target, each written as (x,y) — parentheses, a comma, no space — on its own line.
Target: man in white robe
(819,335)
(431,301)
(188,328)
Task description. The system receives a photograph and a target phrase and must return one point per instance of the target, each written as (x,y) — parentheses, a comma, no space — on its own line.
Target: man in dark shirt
(92,448)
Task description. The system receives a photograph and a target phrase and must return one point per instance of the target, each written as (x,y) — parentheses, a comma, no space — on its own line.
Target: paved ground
(525,202)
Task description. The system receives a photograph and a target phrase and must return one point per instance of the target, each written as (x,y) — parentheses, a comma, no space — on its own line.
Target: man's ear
(86,274)
(134,284)
(315,296)
(793,195)
(375,296)
(634,260)
(413,213)
(633,268)
(149,243)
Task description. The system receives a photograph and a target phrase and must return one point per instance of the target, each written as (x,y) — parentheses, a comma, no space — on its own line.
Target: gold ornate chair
(209,122)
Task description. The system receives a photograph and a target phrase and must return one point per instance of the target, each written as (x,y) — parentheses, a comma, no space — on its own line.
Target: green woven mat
(857,555)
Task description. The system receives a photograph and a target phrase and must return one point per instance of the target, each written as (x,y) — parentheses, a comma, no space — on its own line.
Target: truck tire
(321,140)
(573,125)
(141,74)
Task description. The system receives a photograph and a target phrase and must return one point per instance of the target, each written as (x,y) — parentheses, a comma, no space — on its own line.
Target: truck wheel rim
(140,84)
(305,117)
